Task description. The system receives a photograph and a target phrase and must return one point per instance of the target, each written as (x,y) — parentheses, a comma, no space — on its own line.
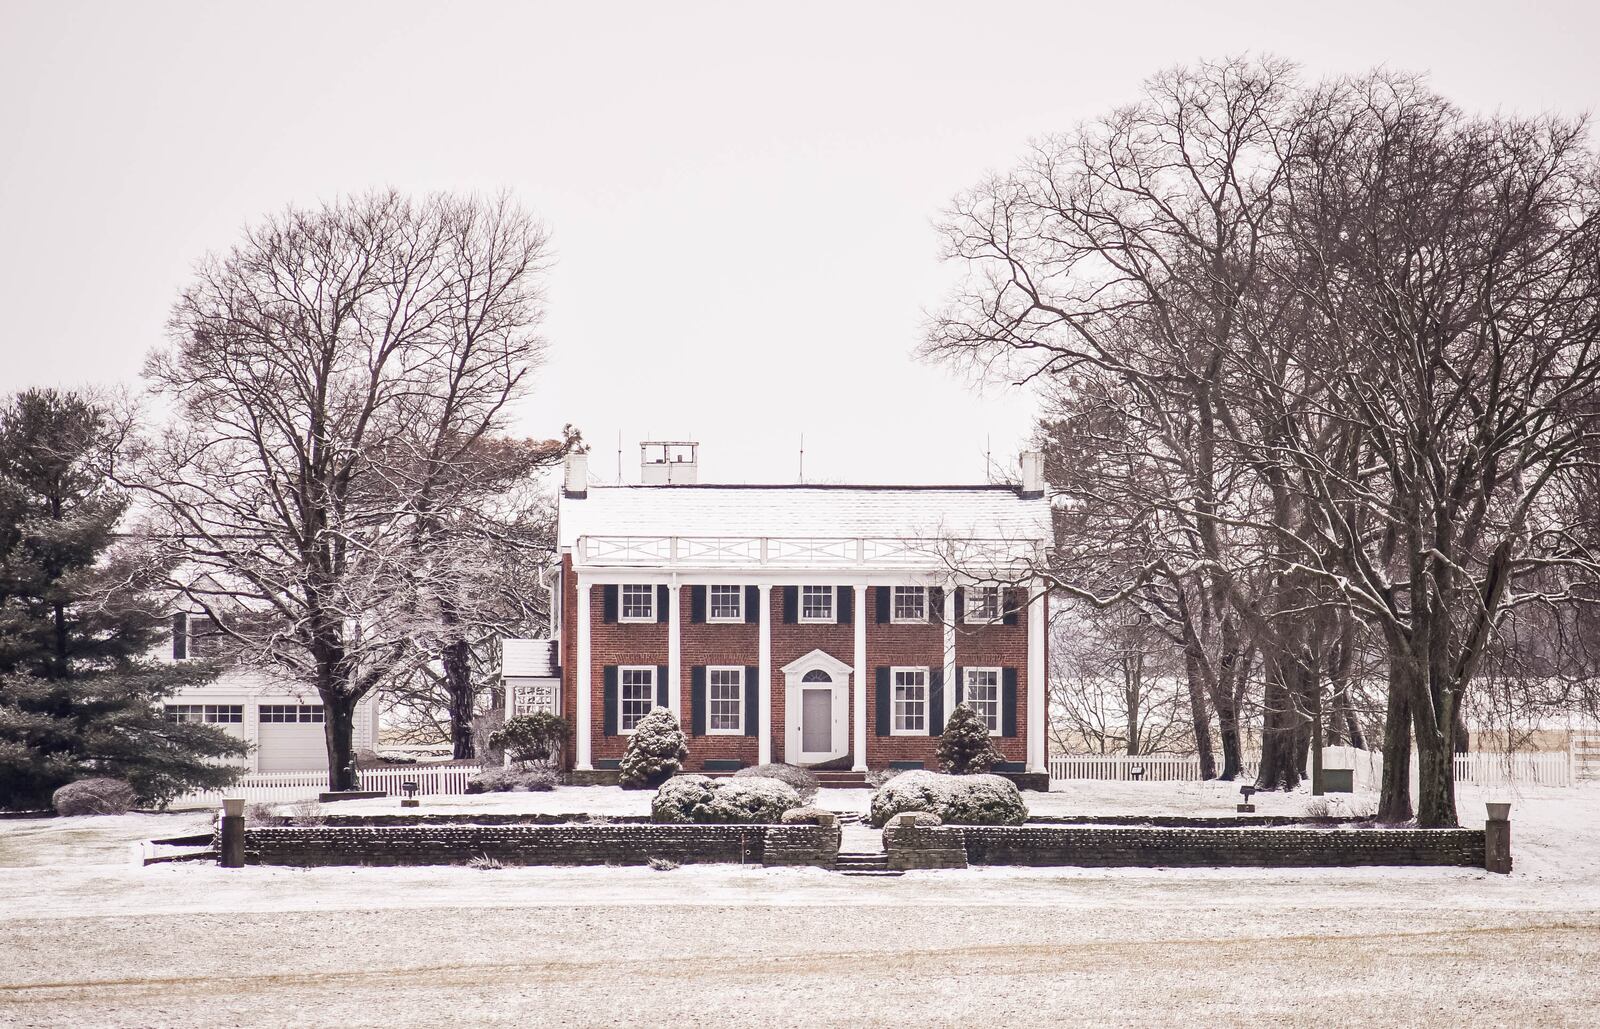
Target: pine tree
(79,696)
(965,746)
(655,752)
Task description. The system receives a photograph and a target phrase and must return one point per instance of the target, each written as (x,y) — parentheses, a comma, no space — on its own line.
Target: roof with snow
(882,512)
(531,658)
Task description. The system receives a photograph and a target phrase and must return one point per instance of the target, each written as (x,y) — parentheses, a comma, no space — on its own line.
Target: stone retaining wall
(541,844)
(911,847)
(1153,846)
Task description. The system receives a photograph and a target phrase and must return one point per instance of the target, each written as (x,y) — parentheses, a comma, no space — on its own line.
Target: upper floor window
(983,604)
(816,603)
(725,700)
(910,702)
(291,712)
(638,603)
(725,604)
(216,714)
(981,691)
(910,604)
(635,697)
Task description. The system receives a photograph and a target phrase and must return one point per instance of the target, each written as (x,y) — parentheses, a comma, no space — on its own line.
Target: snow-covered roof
(882,512)
(528,658)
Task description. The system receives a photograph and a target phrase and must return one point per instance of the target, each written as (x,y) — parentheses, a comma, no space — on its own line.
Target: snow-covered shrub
(485,863)
(806,816)
(957,799)
(804,782)
(878,776)
(533,738)
(965,746)
(661,864)
(655,753)
(750,801)
(93,797)
(513,780)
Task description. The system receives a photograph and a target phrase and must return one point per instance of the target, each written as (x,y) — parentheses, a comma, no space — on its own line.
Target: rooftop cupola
(669,463)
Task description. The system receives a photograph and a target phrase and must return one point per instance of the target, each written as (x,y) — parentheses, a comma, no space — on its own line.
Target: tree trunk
(1199,718)
(1436,788)
(338,730)
(1394,795)
(1280,727)
(1228,730)
(458,685)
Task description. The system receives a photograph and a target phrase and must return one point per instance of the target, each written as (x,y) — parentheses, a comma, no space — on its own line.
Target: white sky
(741,195)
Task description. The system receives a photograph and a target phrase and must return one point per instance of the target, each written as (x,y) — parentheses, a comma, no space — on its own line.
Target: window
(535,696)
(910,604)
(983,604)
(639,603)
(982,693)
(910,701)
(725,701)
(816,603)
(291,712)
(635,697)
(725,604)
(216,714)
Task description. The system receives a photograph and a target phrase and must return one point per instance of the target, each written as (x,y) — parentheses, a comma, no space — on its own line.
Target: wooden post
(232,853)
(1497,839)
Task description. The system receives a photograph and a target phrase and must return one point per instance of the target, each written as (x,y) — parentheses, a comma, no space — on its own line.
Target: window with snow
(726,604)
(910,702)
(636,695)
(725,701)
(816,603)
(638,603)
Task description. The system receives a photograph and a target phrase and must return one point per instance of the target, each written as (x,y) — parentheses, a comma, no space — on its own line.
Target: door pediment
(817,659)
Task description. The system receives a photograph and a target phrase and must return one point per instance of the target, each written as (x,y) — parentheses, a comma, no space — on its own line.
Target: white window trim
(897,619)
(725,619)
(738,730)
(833,606)
(622,695)
(927,684)
(999,692)
(622,604)
(972,617)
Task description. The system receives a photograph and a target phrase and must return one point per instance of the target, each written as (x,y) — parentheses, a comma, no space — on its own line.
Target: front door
(816,721)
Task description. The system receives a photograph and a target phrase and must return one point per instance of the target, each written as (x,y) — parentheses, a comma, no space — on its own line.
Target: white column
(674,672)
(1038,689)
(764,722)
(860,676)
(949,652)
(581,716)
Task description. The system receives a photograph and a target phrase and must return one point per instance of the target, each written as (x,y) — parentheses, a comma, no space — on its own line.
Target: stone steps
(862,862)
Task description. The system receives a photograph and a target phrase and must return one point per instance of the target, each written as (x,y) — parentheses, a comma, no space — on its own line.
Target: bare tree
(327,375)
(1115,684)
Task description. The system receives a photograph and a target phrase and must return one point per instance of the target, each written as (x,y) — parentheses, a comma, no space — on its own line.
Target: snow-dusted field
(86,938)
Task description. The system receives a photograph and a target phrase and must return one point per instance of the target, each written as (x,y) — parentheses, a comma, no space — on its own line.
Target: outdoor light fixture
(409,788)
(1137,771)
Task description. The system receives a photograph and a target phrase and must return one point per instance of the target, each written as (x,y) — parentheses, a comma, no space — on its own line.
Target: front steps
(864,862)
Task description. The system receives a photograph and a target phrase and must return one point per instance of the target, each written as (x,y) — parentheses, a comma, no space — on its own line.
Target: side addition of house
(832,626)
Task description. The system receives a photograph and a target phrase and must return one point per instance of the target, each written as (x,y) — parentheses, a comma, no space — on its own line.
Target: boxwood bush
(804,782)
(957,799)
(748,801)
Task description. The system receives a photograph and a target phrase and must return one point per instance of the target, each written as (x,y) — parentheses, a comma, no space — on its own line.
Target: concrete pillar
(1038,688)
(674,671)
(859,695)
(582,716)
(231,854)
(1497,839)
(764,741)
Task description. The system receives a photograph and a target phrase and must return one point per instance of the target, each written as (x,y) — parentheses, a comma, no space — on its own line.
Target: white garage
(290,738)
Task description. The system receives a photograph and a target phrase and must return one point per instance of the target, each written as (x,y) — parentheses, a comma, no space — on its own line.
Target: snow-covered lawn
(86,938)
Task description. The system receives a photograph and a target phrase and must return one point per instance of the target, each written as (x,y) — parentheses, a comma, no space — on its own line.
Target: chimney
(667,463)
(575,486)
(1032,474)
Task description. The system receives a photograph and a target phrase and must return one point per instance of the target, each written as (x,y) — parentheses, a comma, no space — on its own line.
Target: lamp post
(1247,791)
(231,853)
(409,788)
(1497,839)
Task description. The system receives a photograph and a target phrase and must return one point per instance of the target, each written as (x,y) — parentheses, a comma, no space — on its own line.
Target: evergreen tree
(965,746)
(79,695)
(655,752)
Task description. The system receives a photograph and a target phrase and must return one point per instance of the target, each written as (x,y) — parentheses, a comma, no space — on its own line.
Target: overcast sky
(741,195)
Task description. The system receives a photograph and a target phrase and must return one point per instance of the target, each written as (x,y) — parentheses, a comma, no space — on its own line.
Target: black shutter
(936,604)
(1008,702)
(608,603)
(791,605)
(180,636)
(961,683)
(752,605)
(882,595)
(752,700)
(1010,601)
(661,603)
(611,700)
(883,701)
(935,701)
(844,606)
(662,698)
(697,700)
(961,605)
(697,604)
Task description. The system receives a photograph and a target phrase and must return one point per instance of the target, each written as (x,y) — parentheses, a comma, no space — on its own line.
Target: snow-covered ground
(87,938)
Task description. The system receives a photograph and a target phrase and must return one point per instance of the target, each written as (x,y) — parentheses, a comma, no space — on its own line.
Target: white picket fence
(288,787)
(1481,768)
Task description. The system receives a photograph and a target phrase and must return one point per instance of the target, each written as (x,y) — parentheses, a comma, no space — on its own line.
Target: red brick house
(828,625)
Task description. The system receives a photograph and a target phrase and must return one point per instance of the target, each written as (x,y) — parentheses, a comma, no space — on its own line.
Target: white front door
(816,709)
(816,720)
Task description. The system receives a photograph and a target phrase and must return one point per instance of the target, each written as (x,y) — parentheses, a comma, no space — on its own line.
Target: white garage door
(291,738)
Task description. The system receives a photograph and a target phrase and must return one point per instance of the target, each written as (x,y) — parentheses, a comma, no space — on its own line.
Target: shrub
(957,799)
(878,776)
(804,782)
(513,780)
(749,801)
(655,753)
(531,738)
(965,746)
(485,863)
(805,816)
(662,864)
(93,797)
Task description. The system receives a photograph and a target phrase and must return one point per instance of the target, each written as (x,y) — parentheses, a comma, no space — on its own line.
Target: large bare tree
(327,376)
